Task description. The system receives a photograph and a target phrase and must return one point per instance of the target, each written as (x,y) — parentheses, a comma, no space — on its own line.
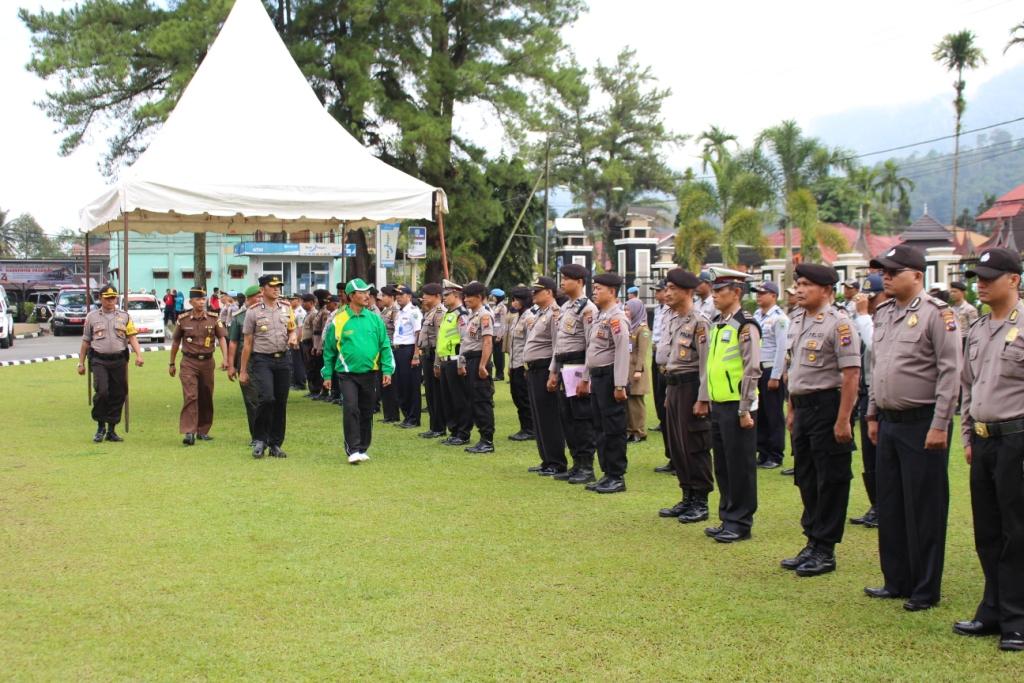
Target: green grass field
(150,560)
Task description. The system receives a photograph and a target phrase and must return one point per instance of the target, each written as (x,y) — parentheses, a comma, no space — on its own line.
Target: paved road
(25,349)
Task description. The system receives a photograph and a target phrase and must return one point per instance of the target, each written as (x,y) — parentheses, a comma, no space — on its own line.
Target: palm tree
(958,51)
(803,211)
(714,140)
(7,236)
(894,189)
(1016,36)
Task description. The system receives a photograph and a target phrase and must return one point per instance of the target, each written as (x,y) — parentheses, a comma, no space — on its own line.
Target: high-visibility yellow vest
(725,364)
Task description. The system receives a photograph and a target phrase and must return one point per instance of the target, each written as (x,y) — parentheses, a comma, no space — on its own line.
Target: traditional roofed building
(1005,220)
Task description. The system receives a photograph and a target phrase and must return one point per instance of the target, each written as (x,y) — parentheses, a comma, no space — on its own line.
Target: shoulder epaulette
(887,302)
(580,305)
(939,303)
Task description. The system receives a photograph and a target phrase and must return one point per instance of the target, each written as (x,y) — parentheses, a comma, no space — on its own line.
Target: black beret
(956,284)
(340,286)
(308,297)
(521,293)
(573,271)
(388,290)
(900,256)
(432,288)
(818,274)
(545,283)
(683,279)
(609,279)
(197,293)
(474,289)
(334,298)
(995,262)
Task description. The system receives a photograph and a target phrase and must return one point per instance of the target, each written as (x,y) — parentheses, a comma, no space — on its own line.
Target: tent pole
(444,250)
(124,305)
(88,306)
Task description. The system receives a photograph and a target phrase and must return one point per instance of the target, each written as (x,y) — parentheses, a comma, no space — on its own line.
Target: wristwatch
(744,413)
(617,388)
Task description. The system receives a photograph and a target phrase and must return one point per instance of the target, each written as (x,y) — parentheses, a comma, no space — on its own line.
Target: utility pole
(547,191)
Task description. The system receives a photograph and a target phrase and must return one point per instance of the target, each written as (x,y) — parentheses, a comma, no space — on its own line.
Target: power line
(968,163)
(939,139)
(944,158)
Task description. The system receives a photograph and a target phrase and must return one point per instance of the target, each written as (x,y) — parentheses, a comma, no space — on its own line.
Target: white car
(147,316)
(6,321)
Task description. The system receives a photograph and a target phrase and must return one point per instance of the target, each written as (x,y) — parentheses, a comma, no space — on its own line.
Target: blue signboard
(388,235)
(350,250)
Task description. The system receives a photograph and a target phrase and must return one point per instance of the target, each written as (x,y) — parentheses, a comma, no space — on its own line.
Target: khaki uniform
(607,367)
(916,355)
(515,342)
(199,337)
(966,314)
(577,414)
(501,324)
(107,334)
(270,326)
(542,328)
(481,391)
(389,394)
(538,350)
(426,341)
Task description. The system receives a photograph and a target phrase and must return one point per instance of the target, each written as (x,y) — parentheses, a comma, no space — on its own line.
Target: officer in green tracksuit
(733,369)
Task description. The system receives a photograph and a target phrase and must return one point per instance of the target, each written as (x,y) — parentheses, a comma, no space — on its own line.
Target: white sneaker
(363,457)
(355,458)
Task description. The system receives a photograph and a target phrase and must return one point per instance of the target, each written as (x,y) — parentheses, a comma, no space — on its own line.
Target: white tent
(249,146)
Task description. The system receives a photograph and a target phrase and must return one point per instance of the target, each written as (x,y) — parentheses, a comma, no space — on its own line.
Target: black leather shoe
(667,468)
(99,436)
(455,441)
(550,471)
(258,449)
(276,452)
(409,425)
(636,439)
(698,511)
(918,605)
(612,485)
(481,447)
(1012,642)
(788,472)
(975,628)
(430,434)
(713,531)
(770,465)
(792,563)
(520,436)
(655,428)
(592,486)
(882,593)
(204,437)
(112,436)
(535,468)
(817,564)
(676,510)
(563,475)
(871,519)
(583,476)
(730,536)
(863,518)
(190,439)
(387,421)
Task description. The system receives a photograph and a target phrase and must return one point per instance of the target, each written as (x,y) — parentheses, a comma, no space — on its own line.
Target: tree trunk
(956,167)
(199,259)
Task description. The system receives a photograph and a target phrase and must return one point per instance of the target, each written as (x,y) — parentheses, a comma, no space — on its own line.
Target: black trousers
(868,452)
(735,450)
(499,360)
(518,387)
(335,386)
(455,399)
(913,508)
(481,397)
(250,399)
(298,368)
(577,415)
(273,378)
(110,389)
(388,398)
(544,408)
(358,395)
(823,467)
(659,387)
(609,418)
(771,423)
(997,502)
(314,364)
(432,391)
(688,438)
(406,381)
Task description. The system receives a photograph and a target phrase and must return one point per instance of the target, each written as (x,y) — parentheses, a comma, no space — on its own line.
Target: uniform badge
(726,335)
(1013,316)
(263,328)
(812,357)
(912,320)
(1011,335)
(682,352)
(812,344)
(819,317)
(615,325)
(950,319)
(845,339)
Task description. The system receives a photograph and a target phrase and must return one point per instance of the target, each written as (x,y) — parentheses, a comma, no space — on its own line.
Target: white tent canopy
(249,146)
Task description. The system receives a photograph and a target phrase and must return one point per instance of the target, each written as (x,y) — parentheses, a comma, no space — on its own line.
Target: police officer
(570,352)
(656,382)
(872,294)
(269,331)
(706,302)
(965,312)
(733,370)
(106,336)
(408,378)
(606,378)
(518,322)
(448,363)
(914,387)
(314,383)
(771,389)
(993,433)
(198,333)
(476,349)
(823,365)
(500,311)
(236,341)
(389,394)
(682,354)
(426,348)
(319,321)
(542,327)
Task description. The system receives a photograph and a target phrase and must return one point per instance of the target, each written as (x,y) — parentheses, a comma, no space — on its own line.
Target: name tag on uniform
(726,335)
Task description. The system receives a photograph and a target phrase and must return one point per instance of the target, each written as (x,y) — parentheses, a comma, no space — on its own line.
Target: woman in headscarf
(639,376)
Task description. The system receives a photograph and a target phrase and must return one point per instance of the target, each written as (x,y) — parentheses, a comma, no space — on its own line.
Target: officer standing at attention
(771,388)
(500,311)
(823,364)
(408,378)
(639,376)
(426,348)
(656,382)
(236,340)
(269,331)
(538,351)
(448,363)
(477,346)
(965,312)
(914,388)
(313,380)
(198,333)
(570,351)
(106,336)
(993,434)
(519,317)
(683,353)
(733,370)
(389,394)
(706,301)
(606,379)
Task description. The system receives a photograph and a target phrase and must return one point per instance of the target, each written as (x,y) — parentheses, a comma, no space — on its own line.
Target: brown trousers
(688,438)
(636,415)
(197,390)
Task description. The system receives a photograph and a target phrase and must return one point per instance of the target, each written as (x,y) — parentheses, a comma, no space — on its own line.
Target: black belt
(109,356)
(472,354)
(540,363)
(602,371)
(677,378)
(988,430)
(197,356)
(814,397)
(276,354)
(403,346)
(911,415)
(573,357)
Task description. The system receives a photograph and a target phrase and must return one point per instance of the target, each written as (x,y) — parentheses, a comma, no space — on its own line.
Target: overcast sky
(742,64)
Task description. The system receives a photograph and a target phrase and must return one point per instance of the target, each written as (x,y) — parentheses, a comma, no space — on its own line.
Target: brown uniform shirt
(684,346)
(993,372)
(639,349)
(608,344)
(540,334)
(199,336)
(500,320)
(308,324)
(966,314)
(818,347)
(269,326)
(426,338)
(108,332)
(390,316)
(479,325)
(573,329)
(519,327)
(916,358)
